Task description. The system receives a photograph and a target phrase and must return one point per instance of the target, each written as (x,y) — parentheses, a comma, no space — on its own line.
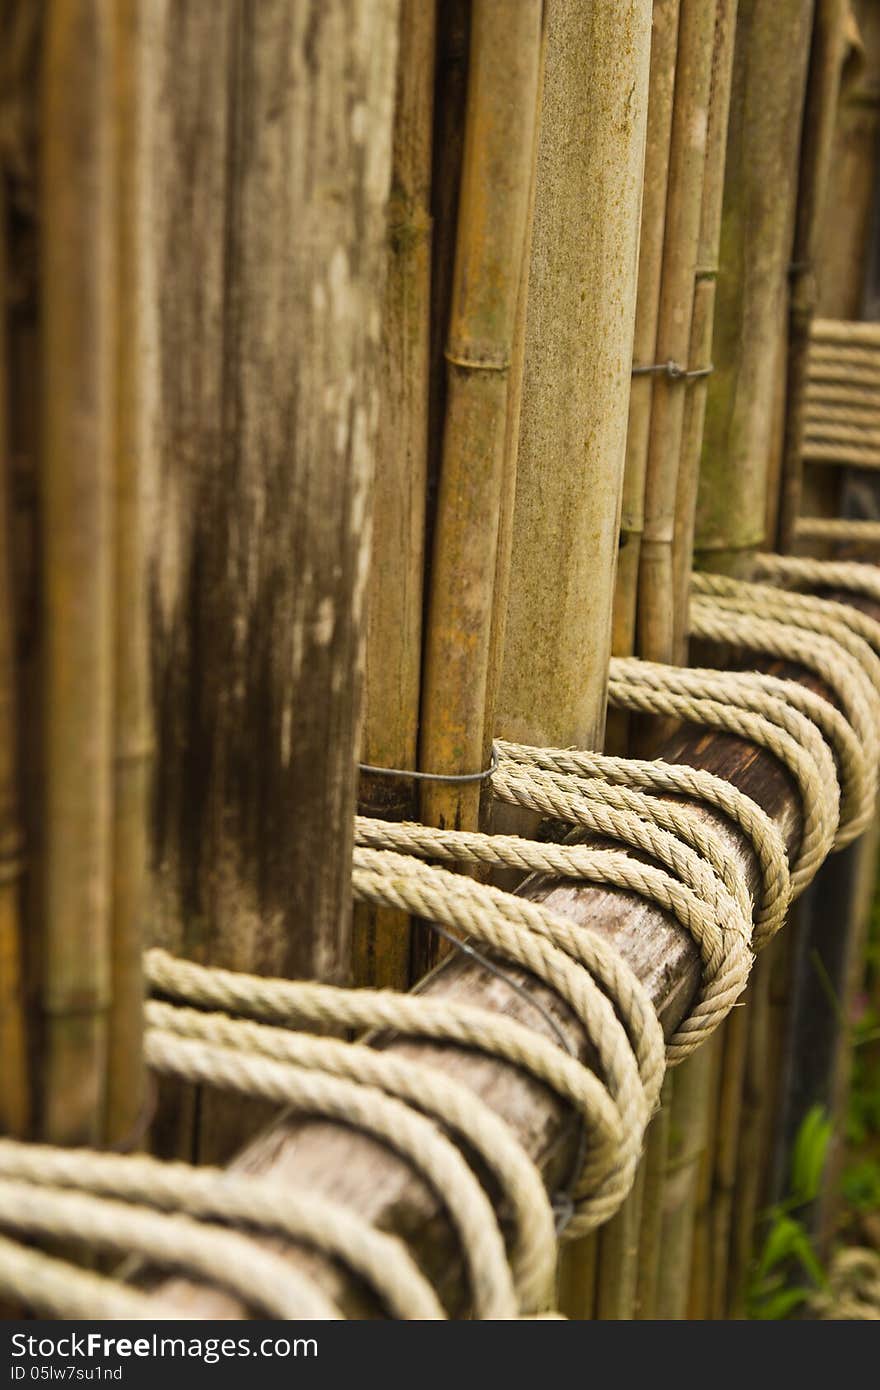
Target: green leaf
(781,1244)
(781,1304)
(810,1153)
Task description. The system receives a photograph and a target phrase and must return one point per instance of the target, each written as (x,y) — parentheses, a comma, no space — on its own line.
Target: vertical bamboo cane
(493,209)
(394,606)
(757,225)
(664,47)
(693,87)
(78,281)
(820,116)
(656,594)
(619,1252)
(262,514)
(759,199)
(125,1073)
(14,1089)
(702,320)
(578,353)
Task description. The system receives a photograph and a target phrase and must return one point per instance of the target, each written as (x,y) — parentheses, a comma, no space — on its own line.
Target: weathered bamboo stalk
(759,198)
(664,47)
(703,316)
(348,1166)
(131,707)
(265,425)
(380,942)
(817,143)
(578,352)
(496,176)
(702,103)
(15,1086)
(577,368)
(693,88)
(756,228)
(688,1140)
(77,289)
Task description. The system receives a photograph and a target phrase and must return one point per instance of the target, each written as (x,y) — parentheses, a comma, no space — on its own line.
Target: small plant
(787,1255)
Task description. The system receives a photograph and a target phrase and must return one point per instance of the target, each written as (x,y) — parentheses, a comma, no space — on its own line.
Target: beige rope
(380,1260)
(301,1003)
(63,1290)
(611,868)
(388,1120)
(681,780)
(564,957)
(782,730)
(533,1260)
(841,658)
(672,833)
(259,1276)
(799,571)
(755,691)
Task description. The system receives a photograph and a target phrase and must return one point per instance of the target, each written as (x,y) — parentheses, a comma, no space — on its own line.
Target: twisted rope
(533,1259)
(393,1123)
(739,705)
(212,1193)
(63,1290)
(259,1276)
(798,571)
(680,780)
(566,958)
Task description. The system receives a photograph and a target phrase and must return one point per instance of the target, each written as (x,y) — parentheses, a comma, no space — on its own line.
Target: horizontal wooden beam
(353,1169)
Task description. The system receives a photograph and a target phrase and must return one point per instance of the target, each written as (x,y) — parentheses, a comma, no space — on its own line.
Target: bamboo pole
(651,1223)
(131,713)
(759,200)
(496,175)
(693,88)
(15,1085)
(702,92)
(577,369)
(755,238)
(267,347)
(688,1140)
(664,47)
(703,317)
(820,116)
(380,944)
(77,285)
(565,518)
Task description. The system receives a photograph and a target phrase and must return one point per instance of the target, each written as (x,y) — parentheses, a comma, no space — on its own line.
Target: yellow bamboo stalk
(734,1044)
(664,47)
(381,944)
(14,1086)
(702,318)
(700,1292)
(577,371)
(688,1140)
(580,315)
(496,176)
(820,117)
(131,714)
(758,222)
(651,1226)
(77,287)
(693,86)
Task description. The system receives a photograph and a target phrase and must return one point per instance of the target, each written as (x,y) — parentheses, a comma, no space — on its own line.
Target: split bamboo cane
(380,946)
